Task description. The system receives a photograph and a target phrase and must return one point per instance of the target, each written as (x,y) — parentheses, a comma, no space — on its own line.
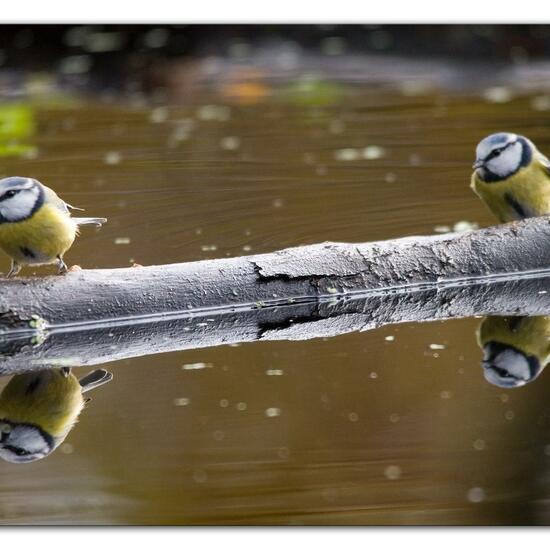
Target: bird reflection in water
(39,409)
(515,349)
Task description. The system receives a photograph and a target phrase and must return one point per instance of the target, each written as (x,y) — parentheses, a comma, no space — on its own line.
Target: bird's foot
(14,270)
(61,266)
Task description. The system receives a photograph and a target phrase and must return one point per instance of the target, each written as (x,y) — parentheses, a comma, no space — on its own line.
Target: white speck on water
(353,417)
(412,88)
(224,403)
(541,103)
(219,113)
(122,240)
(230,143)
(309,158)
(390,177)
(392,472)
(445,394)
(415,159)
(437,346)
(476,494)
(389,338)
(442,229)
(197,366)
(112,158)
(181,401)
(66,448)
(373,375)
(498,94)
(274,372)
(347,154)
(394,417)
(209,247)
(247,248)
(241,406)
(159,115)
(321,170)
(479,444)
(277,203)
(31,153)
(336,126)
(200,476)
(373,152)
(509,415)
(218,435)
(273,411)
(464,225)
(283,452)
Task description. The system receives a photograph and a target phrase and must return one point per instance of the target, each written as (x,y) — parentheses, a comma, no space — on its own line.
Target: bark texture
(94,316)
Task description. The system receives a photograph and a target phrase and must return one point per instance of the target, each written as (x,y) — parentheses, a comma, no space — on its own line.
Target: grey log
(315,272)
(94,316)
(95,344)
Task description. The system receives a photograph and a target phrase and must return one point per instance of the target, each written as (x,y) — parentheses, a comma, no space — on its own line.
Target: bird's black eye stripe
(17,450)
(496,152)
(9,194)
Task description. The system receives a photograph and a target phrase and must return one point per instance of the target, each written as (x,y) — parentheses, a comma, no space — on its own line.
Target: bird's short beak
(477,164)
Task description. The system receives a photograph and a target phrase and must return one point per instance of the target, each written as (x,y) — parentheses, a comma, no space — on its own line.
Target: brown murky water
(391,426)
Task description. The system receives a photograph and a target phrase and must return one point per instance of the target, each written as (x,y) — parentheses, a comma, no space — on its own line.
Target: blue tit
(515,349)
(36,226)
(39,409)
(512,177)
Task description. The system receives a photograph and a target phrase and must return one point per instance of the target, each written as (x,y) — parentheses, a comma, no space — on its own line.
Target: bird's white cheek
(507,163)
(18,207)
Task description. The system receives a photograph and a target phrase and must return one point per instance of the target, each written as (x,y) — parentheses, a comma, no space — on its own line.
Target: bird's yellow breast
(45,398)
(49,232)
(524,194)
(531,335)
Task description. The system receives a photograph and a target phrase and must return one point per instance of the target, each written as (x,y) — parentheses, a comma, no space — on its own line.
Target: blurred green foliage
(17,126)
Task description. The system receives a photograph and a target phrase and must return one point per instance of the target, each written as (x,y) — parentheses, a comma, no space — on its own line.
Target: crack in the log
(268,326)
(10,320)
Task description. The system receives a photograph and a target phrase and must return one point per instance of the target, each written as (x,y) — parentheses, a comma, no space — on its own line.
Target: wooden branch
(93,316)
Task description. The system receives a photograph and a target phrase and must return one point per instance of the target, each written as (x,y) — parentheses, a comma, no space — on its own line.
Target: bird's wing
(94,379)
(544,161)
(53,198)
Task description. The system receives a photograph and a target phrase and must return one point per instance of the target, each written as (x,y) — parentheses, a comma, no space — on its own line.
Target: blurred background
(200,142)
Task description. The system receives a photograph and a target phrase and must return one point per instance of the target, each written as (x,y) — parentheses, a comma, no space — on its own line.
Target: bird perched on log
(512,177)
(36,226)
(39,409)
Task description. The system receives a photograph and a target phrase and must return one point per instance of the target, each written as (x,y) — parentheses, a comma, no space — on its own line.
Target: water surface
(391,426)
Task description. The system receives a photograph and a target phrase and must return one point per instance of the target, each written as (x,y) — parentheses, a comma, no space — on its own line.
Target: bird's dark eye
(11,193)
(497,153)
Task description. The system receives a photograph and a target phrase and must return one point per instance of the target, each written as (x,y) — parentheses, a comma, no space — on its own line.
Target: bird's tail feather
(90,221)
(94,379)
